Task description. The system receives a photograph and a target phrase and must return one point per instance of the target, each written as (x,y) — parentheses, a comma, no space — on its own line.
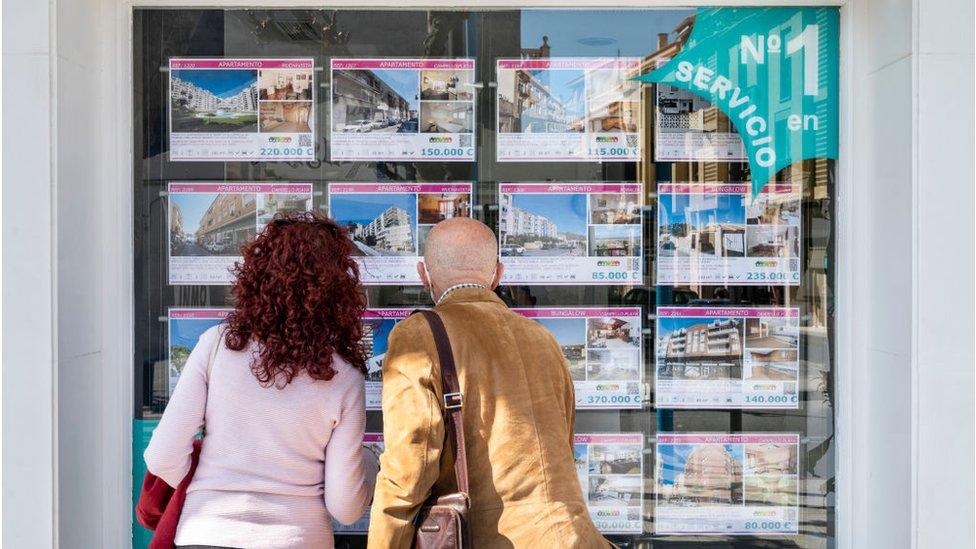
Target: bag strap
(210,366)
(453,398)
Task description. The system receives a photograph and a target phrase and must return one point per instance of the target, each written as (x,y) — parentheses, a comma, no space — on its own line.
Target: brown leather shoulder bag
(442,522)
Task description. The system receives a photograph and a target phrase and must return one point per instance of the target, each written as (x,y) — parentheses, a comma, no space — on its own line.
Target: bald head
(461,250)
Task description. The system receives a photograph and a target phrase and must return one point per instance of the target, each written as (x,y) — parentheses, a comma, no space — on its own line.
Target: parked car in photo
(359,126)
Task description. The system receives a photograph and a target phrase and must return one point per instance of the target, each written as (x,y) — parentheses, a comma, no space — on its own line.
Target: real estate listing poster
(186,325)
(388,223)
(209,222)
(717,234)
(729,357)
(399,109)
(688,128)
(742,484)
(603,348)
(373,442)
(571,233)
(377,325)
(228,109)
(572,109)
(611,472)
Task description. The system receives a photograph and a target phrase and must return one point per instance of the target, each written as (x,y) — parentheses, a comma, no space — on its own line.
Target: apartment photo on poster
(400,109)
(186,325)
(573,109)
(389,223)
(377,325)
(610,467)
(227,109)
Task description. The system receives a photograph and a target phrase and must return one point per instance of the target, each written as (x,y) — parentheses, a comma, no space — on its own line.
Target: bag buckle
(453,401)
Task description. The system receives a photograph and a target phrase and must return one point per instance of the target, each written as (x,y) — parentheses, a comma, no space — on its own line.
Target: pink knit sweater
(277,464)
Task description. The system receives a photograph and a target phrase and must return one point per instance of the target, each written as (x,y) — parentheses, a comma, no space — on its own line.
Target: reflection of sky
(363,208)
(192,207)
(699,211)
(567,211)
(598,32)
(187,331)
(404,82)
(666,325)
(579,451)
(568,331)
(674,456)
(381,333)
(565,85)
(222,83)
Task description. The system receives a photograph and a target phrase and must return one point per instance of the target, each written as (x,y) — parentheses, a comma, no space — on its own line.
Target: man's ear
(499,272)
(423,274)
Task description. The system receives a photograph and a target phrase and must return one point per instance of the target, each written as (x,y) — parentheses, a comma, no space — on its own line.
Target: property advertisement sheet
(727,484)
(388,223)
(209,222)
(373,443)
(228,109)
(186,325)
(400,109)
(377,325)
(571,109)
(571,233)
(729,357)
(611,472)
(688,128)
(719,234)
(603,347)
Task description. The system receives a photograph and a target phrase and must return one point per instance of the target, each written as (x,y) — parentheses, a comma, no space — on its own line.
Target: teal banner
(773,72)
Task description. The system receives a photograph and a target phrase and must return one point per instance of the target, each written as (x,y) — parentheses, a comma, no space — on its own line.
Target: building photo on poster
(603,349)
(568,109)
(723,484)
(717,234)
(389,223)
(377,325)
(186,325)
(570,233)
(730,357)
(688,128)
(227,109)
(611,473)
(209,222)
(396,109)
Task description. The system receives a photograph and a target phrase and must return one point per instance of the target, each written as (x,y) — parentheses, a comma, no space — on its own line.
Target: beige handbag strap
(210,366)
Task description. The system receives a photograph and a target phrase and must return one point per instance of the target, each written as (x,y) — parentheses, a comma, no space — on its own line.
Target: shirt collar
(469,294)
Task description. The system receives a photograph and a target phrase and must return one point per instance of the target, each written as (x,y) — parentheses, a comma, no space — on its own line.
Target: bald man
(518,411)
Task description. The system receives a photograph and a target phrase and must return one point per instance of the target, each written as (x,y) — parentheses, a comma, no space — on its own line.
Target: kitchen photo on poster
(603,349)
(399,109)
(372,442)
(718,234)
(610,468)
(389,223)
(729,357)
(719,484)
(571,233)
(240,109)
(574,109)
(377,325)
(186,325)
(689,128)
(209,222)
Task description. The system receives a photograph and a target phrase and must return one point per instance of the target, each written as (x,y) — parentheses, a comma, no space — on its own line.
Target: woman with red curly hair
(281,385)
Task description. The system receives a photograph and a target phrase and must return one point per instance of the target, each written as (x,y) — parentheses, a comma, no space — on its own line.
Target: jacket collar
(471,295)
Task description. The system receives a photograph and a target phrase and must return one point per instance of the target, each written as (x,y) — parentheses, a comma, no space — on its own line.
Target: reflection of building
(228,223)
(711,476)
(389,231)
(514,221)
(770,458)
(537,53)
(361,95)
(199,99)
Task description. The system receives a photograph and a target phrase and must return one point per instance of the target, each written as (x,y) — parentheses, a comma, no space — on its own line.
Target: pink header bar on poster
(592,312)
(241,63)
(240,188)
(724,312)
(608,438)
(727,188)
(623,63)
(387,313)
(745,438)
(542,188)
(372,437)
(394,63)
(341,188)
(217,314)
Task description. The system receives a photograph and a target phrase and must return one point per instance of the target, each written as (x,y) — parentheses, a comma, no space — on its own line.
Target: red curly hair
(298,295)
